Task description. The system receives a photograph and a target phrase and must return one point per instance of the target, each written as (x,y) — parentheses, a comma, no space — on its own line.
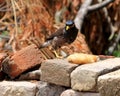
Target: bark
(82,13)
(85,8)
(100,5)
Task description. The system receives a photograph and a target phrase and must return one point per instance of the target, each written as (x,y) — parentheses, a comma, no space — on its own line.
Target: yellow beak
(67,27)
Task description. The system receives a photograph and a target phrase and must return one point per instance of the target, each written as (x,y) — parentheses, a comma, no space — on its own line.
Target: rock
(71,92)
(33,75)
(57,71)
(22,60)
(46,89)
(9,88)
(84,77)
(109,84)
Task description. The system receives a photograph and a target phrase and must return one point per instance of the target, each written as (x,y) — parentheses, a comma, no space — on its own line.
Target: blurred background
(25,22)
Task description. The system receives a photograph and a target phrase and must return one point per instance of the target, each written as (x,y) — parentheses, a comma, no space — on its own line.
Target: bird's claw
(57,55)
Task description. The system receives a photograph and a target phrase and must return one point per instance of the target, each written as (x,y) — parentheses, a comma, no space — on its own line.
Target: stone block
(109,84)
(71,92)
(46,89)
(9,88)
(84,77)
(33,75)
(57,71)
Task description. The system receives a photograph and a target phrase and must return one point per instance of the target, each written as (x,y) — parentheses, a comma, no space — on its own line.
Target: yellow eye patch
(67,27)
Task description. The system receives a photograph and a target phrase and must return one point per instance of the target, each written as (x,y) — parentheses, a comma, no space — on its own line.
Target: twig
(5,7)
(100,5)
(108,19)
(5,37)
(14,12)
(111,48)
(14,36)
(2,4)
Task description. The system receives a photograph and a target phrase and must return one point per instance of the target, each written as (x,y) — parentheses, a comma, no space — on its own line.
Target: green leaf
(116,53)
(5,33)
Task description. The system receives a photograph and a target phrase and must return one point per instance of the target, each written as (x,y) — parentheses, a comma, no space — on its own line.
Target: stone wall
(60,78)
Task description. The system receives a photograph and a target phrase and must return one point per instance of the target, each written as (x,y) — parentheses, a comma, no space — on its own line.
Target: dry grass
(31,21)
(27,21)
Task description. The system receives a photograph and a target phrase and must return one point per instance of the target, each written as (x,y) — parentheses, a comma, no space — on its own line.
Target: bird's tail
(45,44)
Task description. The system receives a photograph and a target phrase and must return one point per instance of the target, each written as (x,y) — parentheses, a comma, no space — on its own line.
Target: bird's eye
(67,27)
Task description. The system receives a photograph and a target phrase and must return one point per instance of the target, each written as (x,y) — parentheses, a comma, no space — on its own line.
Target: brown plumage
(62,36)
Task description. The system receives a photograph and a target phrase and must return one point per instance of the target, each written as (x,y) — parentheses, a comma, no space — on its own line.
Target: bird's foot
(57,55)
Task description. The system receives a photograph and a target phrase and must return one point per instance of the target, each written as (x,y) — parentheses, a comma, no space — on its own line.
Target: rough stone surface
(84,77)
(46,89)
(8,88)
(71,92)
(57,71)
(109,84)
(33,75)
(22,60)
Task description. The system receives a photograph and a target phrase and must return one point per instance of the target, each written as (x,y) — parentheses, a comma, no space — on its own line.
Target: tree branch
(82,13)
(85,8)
(108,19)
(112,48)
(4,37)
(100,5)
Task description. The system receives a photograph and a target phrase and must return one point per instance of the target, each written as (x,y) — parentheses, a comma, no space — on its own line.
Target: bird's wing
(59,32)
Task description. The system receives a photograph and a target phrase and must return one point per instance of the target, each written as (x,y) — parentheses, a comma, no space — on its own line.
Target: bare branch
(82,13)
(4,37)
(85,8)
(112,48)
(100,5)
(108,19)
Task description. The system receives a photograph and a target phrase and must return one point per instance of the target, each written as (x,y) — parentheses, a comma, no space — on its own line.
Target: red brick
(2,57)
(22,60)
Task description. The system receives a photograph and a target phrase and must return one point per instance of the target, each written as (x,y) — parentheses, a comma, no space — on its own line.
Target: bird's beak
(67,27)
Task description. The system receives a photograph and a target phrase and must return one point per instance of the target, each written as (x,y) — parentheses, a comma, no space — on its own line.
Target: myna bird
(62,36)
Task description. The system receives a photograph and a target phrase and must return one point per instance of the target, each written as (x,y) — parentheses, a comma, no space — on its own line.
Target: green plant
(117,51)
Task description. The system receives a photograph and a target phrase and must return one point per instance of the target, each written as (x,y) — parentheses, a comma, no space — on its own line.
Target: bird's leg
(57,55)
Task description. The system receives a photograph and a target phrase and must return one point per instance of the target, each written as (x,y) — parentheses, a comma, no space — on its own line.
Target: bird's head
(69,24)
